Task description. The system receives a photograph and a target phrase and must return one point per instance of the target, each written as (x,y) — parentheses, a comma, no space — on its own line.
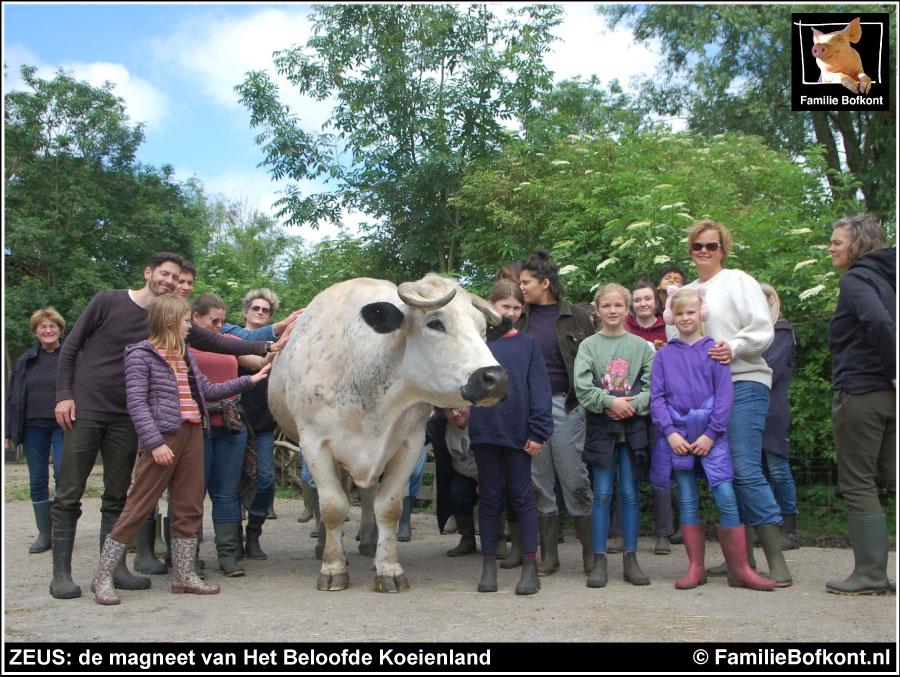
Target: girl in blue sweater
(505,436)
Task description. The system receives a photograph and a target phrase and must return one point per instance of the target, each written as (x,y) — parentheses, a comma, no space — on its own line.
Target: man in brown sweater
(91,409)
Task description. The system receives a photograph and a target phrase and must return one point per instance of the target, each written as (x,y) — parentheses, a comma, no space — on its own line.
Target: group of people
(624,392)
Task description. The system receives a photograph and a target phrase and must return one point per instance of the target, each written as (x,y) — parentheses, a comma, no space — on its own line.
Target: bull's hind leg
(389,576)
(333,506)
(368,529)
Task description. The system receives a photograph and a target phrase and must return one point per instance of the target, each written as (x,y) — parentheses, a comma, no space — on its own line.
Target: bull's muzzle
(486,386)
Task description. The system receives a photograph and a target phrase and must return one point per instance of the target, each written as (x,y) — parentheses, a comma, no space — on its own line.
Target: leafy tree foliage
(421,93)
(81,214)
(727,69)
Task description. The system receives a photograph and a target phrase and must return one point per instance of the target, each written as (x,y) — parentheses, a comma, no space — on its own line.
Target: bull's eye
(437,325)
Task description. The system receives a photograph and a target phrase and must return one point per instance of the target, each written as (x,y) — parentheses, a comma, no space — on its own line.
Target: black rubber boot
(254,531)
(42,518)
(227,539)
(62,586)
(307,514)
(488,582)
(514,558)
(597,577)
(314,499)
(123,579)
(868,530)
(586,535)
(465,525)
(548,531)
(632,571)
(404,527)
(529,583)
(789,539)
(145,560)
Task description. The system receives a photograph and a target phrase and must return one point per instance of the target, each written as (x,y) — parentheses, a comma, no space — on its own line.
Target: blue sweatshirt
(527,412)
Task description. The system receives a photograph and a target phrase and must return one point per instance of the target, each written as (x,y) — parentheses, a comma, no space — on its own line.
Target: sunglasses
(710,246)
(260,309)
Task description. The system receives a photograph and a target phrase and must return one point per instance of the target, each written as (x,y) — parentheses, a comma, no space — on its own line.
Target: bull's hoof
(391,583)
(332,582)
(366,549)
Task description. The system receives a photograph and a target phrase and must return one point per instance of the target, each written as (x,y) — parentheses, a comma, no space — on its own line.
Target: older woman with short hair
(862,337)
(741,324)
(30,418)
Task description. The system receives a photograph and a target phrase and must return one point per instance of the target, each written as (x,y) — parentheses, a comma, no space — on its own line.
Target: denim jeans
(463,494)
(756,502)
(223,460)
(37,442)
(778,470)
(265,456)
(305,474)
(689,500)
(603,492)
(418,473)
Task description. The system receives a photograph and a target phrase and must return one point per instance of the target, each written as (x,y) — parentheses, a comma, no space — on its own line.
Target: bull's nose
(486,386)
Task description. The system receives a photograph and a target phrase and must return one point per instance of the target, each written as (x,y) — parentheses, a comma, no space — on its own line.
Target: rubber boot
(548,531)
(722,569)
(227,539)
(271,514)
(145,560)
(514,558)
(770,539)
(561,531)
(488,582)
(254,531)
(185,579)
(404,527)
(734,546)
(789,539)
(631,570)
(465,525)
(42,518)
(307,514)
(314,495)
(586,536)
(662,547)
(529,583)
(868,531)
(615,545)
(102,586)
(597,577)
(159,546)
(63,536)
(695,547)
(502,550)
(122,577)
(677,538)
(167,537)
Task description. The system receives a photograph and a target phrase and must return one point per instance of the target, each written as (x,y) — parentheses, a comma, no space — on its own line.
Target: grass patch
(22,492)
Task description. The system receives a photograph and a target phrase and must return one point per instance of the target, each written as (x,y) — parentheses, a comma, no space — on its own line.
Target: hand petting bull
(838,62)
(355,385)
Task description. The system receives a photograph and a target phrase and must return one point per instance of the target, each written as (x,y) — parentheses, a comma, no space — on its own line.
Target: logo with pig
(841,62)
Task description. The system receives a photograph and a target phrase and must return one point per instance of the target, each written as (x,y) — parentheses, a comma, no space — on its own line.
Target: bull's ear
(495,332)
(383,317)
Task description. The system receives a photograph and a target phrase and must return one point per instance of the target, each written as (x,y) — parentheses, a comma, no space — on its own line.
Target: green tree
(727,68)
(422,92)
(80,213)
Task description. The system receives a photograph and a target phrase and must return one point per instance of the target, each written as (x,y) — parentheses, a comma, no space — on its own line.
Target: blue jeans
(265,457)
(223,460)
(305,474)
(689,500)
(463,494)
(37,442)
(418,473)
(756,501)
(603,492)
(778,470)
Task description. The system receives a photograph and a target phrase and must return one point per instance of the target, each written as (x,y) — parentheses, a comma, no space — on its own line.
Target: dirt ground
(277,600)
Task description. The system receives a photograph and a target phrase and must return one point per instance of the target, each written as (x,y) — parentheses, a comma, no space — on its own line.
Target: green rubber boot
(870,555)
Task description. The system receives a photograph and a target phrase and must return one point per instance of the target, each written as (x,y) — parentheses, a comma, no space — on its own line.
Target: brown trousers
(184,478)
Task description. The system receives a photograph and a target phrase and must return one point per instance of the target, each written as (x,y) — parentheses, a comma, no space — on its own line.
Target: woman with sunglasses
(741,325)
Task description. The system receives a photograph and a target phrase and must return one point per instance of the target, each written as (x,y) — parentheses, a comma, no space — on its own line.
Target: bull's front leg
(368,529)
(389,576)
(333,507)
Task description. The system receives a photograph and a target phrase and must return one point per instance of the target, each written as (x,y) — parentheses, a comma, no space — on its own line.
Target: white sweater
(739,314)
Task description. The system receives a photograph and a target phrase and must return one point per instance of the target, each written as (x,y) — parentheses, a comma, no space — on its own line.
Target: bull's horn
(490,313)
(410,296)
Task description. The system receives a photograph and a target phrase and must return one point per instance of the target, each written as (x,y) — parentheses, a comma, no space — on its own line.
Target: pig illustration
(838,61)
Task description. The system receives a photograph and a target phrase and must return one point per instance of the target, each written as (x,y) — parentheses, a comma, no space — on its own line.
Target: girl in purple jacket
(165,394)
(690,402)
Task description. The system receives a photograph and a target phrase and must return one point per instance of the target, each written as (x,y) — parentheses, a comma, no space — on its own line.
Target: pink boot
(695,546)
(734,547)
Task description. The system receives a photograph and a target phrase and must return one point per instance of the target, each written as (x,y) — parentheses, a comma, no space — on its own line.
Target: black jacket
(862,334)
(780,356)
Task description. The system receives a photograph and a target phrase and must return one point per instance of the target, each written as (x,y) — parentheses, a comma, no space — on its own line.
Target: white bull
(355,385)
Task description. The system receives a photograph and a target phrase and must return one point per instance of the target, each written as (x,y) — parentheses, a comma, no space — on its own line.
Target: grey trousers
(561,457)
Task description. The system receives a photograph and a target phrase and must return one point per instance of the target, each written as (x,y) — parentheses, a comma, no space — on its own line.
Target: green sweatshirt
(619,362)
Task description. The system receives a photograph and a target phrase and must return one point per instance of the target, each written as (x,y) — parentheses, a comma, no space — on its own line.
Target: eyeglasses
(260,309)
(710,246)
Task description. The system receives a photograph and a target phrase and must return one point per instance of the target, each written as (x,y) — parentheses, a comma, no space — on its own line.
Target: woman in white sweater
(741,325)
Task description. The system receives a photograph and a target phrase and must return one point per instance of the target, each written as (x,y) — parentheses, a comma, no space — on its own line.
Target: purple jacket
(151,392)
(690,393)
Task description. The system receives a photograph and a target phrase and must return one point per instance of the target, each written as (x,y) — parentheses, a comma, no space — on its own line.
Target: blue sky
(176,64)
